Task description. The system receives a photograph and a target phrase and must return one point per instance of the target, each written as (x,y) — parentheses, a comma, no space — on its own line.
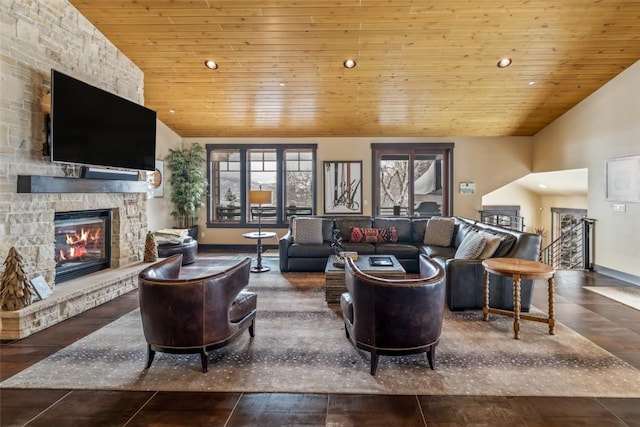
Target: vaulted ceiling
(424,67)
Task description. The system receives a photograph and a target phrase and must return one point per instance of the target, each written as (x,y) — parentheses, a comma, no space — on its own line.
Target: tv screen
(93,127)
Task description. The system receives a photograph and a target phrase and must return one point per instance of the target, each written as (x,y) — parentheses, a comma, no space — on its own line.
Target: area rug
(300,346)
(627,295)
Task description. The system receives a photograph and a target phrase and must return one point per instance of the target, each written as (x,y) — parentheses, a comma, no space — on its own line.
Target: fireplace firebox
(82,243)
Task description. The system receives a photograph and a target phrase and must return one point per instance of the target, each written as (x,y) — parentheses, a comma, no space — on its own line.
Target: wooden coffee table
(335,285)
(518,269)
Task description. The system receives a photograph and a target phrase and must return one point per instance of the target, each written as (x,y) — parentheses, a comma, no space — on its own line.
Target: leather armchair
(194,315)
(394,316)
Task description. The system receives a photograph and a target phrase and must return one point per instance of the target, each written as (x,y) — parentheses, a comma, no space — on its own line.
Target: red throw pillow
(373,235)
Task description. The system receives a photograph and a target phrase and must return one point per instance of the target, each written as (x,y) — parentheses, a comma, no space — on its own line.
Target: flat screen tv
(92,127)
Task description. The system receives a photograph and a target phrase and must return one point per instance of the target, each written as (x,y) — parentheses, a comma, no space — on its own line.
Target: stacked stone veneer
(37,36)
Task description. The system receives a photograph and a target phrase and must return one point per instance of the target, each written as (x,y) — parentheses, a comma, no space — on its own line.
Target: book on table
(380,261)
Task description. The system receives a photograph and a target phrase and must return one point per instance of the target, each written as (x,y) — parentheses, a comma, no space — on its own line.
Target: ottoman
(188,249)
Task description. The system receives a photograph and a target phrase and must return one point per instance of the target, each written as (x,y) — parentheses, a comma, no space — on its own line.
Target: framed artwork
(342,187)
(623,179)
(158,179)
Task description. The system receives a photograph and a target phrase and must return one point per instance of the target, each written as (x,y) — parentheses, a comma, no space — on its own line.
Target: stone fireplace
(103,232)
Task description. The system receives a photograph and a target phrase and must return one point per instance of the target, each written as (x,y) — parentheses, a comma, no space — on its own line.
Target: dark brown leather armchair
(394,316)
(194,315)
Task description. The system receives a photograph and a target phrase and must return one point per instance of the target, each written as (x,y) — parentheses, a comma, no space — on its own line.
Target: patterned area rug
(300,346)
(628,295)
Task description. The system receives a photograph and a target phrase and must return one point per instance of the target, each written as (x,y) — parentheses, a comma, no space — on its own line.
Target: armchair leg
(252,328)
(431,357)
(204,360)
(374,362)
(150,355)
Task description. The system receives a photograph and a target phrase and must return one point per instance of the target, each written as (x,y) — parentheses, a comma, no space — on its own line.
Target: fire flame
(77,243)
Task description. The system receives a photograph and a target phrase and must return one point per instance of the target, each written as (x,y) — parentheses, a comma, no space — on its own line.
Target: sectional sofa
(308,244)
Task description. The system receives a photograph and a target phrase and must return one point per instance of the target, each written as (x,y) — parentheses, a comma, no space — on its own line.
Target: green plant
(188,183)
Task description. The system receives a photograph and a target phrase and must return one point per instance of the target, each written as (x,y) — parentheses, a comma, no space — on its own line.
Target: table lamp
(258,197)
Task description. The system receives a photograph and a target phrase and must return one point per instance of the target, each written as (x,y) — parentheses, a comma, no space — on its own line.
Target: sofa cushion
(471,247)
(438,251)
(399,250)
(307,230)
(491,244)
(306,250)
(361,248)
(439,231)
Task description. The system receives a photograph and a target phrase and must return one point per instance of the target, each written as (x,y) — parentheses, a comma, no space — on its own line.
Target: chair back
(397,313)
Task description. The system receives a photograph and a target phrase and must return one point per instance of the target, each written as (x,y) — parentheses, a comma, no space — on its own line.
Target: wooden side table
(518,269)
(258,236)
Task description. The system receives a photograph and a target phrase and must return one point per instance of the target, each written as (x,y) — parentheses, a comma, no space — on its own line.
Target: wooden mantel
(56,184)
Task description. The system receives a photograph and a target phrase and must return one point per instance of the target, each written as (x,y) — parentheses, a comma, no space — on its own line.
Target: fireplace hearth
(82,243)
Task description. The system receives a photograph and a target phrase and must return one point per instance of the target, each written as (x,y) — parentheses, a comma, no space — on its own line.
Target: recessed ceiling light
(542,186)
(504,63)
(282,84)
(172,111)
(531,83)
(349,63)
(211,64)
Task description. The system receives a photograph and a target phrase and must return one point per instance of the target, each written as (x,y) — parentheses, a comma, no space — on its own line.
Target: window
(412,179)
(287,171)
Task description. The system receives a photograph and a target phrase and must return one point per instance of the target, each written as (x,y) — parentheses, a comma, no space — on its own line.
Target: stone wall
(37,36)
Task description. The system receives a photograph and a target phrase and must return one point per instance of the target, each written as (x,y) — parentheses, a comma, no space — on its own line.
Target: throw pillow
(471,247)
(439,231)
(491,244)
(368,235)
(307,230)
(392,235)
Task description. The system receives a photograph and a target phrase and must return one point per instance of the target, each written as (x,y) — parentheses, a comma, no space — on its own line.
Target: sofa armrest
(465,280)
(283,250)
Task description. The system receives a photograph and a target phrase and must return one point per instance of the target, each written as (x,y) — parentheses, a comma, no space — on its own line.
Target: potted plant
(188,185)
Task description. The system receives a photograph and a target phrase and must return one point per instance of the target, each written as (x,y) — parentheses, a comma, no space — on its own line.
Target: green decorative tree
(16,291)
(188,183)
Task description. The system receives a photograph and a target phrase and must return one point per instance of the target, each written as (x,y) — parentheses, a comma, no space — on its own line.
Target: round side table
(259,268)
(519,269)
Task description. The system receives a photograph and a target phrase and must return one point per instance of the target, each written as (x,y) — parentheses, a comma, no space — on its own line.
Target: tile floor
(611,325)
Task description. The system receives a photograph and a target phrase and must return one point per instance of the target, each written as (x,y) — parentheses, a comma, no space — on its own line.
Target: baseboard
(626,277)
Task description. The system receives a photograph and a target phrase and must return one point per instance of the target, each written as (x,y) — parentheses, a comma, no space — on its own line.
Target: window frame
(411,149)
(245,173)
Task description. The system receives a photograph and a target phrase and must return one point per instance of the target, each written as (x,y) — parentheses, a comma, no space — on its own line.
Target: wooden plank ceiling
(424,67)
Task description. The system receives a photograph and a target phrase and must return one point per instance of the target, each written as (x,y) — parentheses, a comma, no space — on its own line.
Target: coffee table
(334,282)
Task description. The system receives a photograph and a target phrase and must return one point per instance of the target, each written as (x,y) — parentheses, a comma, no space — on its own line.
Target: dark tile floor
(611,325)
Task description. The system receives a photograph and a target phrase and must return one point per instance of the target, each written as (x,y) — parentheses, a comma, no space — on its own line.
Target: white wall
(159,208)
(606,125)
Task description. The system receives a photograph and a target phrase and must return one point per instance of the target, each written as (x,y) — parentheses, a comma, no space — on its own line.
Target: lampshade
(259,197)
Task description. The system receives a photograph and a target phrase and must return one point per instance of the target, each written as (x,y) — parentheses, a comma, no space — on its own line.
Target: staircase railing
(573,250)
(507,221)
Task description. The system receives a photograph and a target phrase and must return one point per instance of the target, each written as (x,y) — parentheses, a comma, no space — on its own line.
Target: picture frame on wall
(623,179)
(158,179)
(342,187)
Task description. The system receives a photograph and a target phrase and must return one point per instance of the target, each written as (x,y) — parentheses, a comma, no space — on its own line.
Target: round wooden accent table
(518,269)
(259,268)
